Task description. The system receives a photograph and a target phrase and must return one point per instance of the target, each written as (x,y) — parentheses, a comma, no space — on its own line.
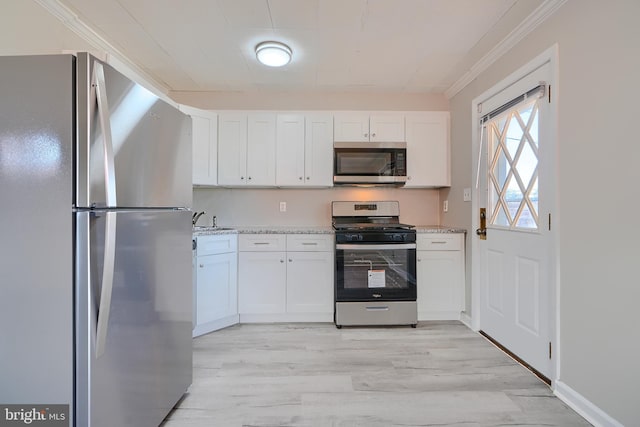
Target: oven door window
(364,163)
(375,274)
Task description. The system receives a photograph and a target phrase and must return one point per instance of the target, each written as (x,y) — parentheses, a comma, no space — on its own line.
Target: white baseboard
(205,328)
(466,319)
(439,315)
(584,407)
(287,317)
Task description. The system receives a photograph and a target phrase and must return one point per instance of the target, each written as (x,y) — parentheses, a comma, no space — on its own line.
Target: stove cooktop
(364,226)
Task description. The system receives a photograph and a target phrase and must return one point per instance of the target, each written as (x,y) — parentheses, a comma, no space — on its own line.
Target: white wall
(324,100)
(306,207)
(598,169)
(27,28)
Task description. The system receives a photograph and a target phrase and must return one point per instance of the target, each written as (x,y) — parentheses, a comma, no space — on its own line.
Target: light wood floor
(439,374)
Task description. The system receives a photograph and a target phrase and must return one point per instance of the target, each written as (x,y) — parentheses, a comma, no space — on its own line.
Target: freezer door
(133,291)
(134,150)
(36,245)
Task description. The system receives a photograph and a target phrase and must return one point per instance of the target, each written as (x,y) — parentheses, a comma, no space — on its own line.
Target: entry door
(516,187)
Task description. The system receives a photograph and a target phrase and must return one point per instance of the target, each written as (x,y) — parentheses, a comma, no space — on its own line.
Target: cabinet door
(216,284)
(205,149)
(428,158)
(261,149)
(309,282)
(440,282)
(318,143)
(232,149)
(290,150)
(262,283)
(387,128)
(351,127)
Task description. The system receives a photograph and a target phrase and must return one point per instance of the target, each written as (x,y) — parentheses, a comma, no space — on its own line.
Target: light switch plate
(445,206)
(467,195)
(283,206)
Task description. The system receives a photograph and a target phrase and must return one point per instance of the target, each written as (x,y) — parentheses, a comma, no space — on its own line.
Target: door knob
(482,231)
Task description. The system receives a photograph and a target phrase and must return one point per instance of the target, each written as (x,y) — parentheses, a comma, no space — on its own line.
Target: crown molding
(109,53)
(530,23)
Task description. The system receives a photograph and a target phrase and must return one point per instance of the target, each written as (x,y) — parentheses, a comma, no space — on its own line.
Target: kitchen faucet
(196,216)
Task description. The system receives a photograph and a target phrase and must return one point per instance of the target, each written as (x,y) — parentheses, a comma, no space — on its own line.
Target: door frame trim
(550,56)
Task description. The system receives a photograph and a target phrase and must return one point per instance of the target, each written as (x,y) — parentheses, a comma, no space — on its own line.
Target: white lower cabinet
(281,285)
(216,283)
(440,275)
(262,278)
(310,282)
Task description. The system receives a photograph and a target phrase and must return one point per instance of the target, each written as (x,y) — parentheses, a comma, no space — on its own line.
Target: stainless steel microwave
(375,163)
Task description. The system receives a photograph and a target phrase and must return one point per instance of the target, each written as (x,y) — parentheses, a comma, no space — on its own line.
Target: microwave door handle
(98,81)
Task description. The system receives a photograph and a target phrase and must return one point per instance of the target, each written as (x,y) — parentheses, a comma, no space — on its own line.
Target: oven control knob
(397,237)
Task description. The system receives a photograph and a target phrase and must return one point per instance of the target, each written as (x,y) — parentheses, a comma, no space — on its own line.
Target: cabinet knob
(300,178)
(373,135)
(281,260)
(308,178)
(242,177)
(249,178)
(366,135)
(290,260)
(201,265)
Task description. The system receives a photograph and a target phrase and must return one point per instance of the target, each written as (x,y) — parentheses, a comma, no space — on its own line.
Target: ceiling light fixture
(273,54)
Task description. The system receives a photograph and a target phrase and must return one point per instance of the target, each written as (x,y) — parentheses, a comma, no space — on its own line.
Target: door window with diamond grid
(513,168)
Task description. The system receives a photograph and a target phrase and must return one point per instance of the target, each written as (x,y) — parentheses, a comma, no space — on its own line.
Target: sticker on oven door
(376,279)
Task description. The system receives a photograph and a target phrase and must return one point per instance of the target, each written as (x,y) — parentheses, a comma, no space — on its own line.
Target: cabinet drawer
(439,242)
(216,244)
(310,242)
(262,242)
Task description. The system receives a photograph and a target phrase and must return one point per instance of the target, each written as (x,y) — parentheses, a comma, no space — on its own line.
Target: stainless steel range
(375,279)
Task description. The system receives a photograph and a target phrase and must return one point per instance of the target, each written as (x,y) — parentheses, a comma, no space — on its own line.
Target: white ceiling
(408,46)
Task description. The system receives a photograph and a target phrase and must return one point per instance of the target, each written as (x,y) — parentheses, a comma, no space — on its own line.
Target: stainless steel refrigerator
(95,243)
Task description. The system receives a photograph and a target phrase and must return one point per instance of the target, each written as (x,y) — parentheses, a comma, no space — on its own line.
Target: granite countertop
(285,229)
(262,229)
(438,229)
(310,229)
(210,231)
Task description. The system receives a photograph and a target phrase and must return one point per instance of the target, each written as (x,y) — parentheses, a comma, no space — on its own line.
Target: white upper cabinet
(318,150)
(351,127)
(261,149)
(365,127)
(428,150)
(304,150)
(246,149)
(204,140)
(387,128)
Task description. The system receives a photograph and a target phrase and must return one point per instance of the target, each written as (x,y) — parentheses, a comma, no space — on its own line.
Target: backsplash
(306,207)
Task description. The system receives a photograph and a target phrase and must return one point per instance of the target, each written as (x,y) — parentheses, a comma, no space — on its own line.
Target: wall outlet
(445,206)
(466,196)
(283,206)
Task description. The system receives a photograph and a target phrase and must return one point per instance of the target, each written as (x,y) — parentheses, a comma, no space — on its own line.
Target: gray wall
(598,155)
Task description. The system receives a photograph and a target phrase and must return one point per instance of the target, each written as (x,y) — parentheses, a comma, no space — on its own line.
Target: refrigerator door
(133,303)
(134,149)
(36,230)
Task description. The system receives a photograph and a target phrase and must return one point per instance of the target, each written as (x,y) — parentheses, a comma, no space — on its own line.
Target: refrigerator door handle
(105,123)
(107,282)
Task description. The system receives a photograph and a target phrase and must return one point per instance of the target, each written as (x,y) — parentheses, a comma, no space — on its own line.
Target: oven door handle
(368,247)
